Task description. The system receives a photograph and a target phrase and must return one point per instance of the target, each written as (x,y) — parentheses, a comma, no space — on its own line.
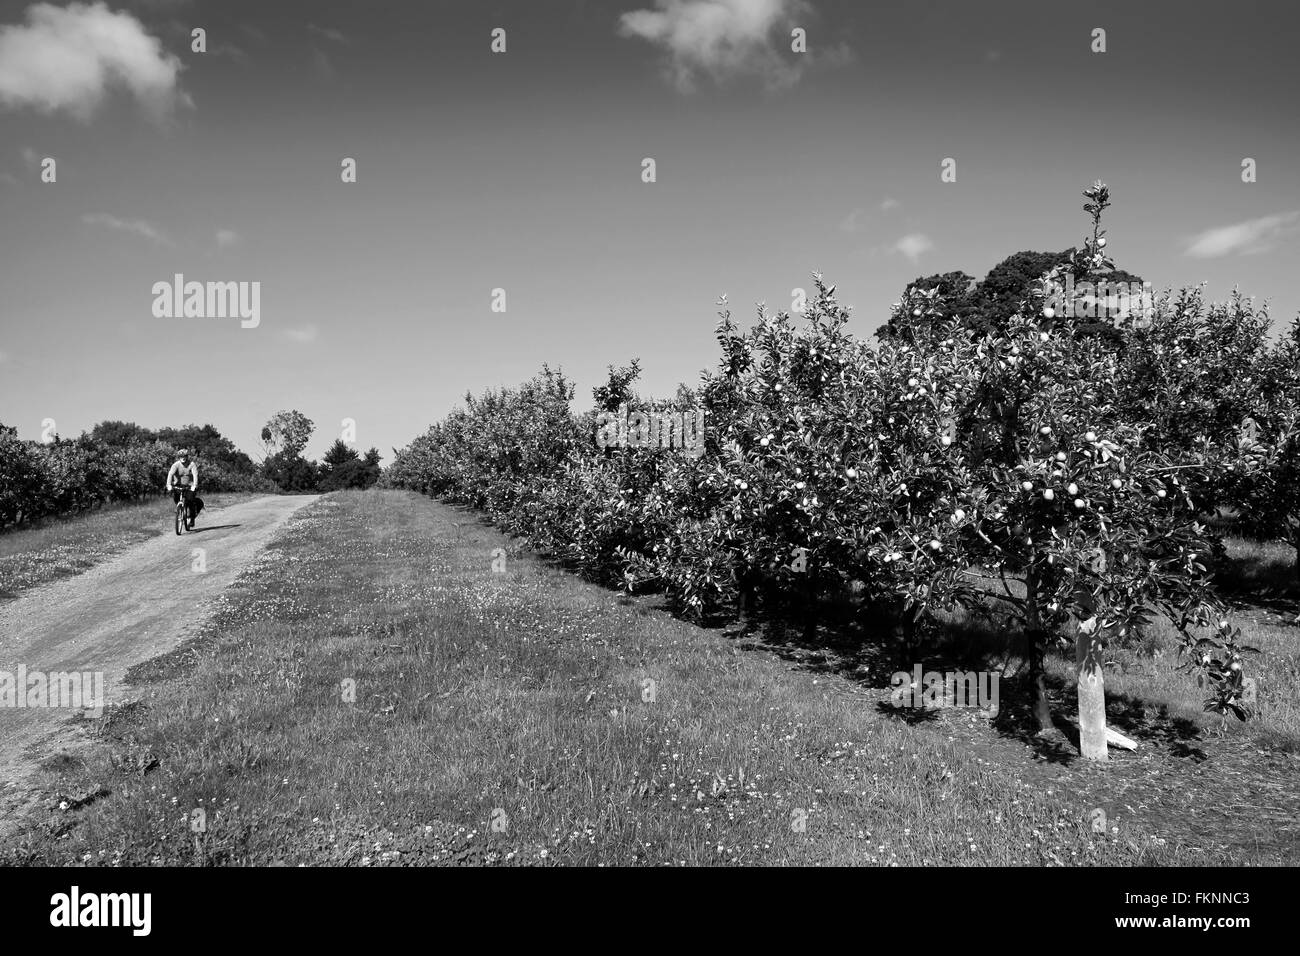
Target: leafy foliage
(116,461)
(342,467)
(983,437)
(287,433)
(292,473)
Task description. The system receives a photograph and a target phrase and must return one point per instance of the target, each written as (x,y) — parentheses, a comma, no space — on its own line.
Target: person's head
(184,455)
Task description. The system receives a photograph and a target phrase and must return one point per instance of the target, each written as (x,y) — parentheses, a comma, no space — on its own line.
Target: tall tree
(208,444)
(338,453)
(287,433)
(122,434)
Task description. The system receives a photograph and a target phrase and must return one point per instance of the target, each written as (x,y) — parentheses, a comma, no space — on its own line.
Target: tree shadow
(1147,723)
(841,634)
(1260,580)
(1140,719)
(909,714)
(865,647)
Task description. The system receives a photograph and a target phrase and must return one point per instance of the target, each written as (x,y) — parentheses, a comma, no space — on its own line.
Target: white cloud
(229,49)
(854,221)
(913,245)
(8,179)
(322,63)
(67,59)
(226,238)
(722,38)
(328,33)
(857,219)
(1244,238)
(303,334)
(135,226)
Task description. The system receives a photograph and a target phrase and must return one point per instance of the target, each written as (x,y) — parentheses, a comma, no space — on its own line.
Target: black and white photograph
(643,434)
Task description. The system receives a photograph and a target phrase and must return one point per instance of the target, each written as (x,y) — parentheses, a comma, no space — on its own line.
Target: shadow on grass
(1262,580)
(864,644)
(965,641)
(1149,724)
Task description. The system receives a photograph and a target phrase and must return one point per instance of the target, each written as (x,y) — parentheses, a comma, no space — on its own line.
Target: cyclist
(185,471)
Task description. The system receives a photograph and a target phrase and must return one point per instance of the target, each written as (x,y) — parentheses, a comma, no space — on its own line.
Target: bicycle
(184,512)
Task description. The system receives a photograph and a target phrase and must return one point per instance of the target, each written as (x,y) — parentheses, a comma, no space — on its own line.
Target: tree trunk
(1041,707)
(810,599)
(1092,695)
(1295,543)
(908,618)
(748,603)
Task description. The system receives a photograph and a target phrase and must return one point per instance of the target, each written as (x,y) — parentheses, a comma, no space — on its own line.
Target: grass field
(59,547)
(1265,601)
(375,693)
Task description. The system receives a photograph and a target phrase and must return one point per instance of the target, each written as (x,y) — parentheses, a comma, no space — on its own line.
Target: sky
(522,171)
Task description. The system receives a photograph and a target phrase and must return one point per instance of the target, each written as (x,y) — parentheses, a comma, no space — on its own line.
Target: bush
(291,473)
(342,467)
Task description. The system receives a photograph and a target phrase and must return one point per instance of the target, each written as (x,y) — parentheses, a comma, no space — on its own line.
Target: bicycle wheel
(180,518)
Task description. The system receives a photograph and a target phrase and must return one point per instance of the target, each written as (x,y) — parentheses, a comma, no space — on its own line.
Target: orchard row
(916,469)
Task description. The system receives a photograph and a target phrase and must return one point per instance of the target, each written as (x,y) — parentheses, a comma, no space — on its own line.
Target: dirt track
(133,607)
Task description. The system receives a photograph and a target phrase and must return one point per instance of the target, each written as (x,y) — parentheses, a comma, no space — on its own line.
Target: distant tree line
(283,439)
(122,461)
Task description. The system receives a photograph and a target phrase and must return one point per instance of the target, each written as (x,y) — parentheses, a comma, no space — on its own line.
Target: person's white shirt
(179,470)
